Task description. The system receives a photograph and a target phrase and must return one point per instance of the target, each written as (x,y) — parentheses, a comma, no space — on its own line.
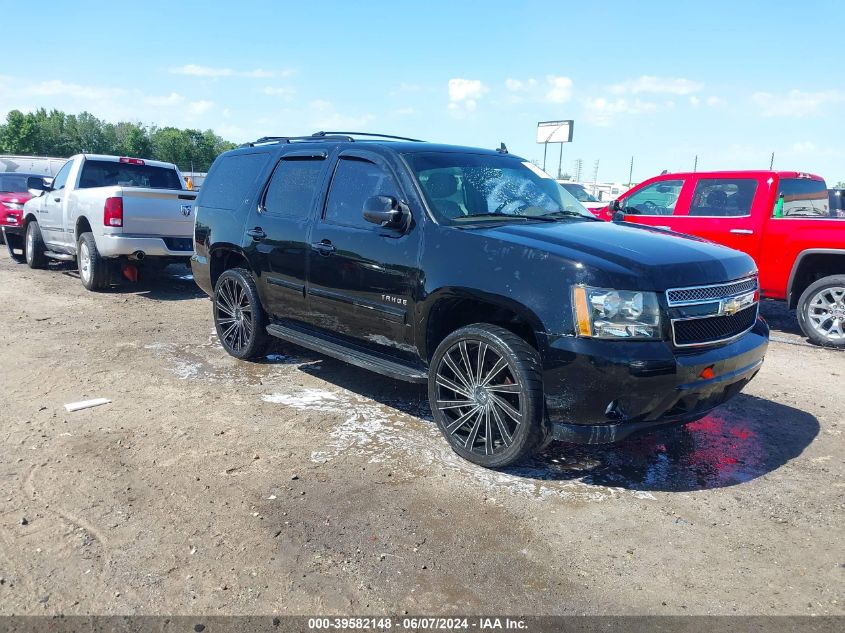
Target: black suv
(474,271)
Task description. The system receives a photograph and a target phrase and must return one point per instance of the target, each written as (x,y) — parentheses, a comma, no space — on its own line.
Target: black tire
(34,247)
(93,269)
(504,400)
(239,317)
(821,311)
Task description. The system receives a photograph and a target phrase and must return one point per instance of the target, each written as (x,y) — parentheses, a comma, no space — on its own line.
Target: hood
(648,258)
(13,196)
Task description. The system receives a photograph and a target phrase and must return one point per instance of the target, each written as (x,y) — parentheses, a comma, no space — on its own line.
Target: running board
(65,257)
(352,355)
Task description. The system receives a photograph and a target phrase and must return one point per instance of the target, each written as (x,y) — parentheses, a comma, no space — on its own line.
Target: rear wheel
(821,311)
(238,316)
(486,393)
(34,246)
(93,269)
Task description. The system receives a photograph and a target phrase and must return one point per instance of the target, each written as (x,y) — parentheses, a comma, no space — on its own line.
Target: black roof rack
(325,136)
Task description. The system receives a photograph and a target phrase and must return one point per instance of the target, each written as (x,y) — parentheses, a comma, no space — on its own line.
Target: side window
(60,180)
(723,197)
(231,179)
(802,198)
(658,198)
(353,182)
(292,187)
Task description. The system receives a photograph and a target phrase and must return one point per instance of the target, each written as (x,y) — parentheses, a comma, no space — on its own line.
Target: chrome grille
(713,329)
(700,294)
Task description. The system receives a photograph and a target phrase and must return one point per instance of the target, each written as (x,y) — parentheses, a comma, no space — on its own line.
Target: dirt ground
(303,485)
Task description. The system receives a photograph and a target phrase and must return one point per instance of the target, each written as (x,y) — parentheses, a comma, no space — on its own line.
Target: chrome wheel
(30,244)
(479,396)
(84,262)
(234,314)
(826,313)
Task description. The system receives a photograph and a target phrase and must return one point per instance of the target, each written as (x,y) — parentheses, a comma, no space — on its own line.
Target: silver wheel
(84,263)
(826,313)
(29,251)
(480,397)
(234,314)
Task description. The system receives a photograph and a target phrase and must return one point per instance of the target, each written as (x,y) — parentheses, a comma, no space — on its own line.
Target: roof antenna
(502,149)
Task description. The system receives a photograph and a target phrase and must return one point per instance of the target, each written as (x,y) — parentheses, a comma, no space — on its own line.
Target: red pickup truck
(782,219)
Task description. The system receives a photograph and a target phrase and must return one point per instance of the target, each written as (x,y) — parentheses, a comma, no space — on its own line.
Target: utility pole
(595,177)
(631,172)
(695,164)
(545,149)
(772,162)
(577,165)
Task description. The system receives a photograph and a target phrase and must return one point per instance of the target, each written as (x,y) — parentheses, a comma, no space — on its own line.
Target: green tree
(20,134)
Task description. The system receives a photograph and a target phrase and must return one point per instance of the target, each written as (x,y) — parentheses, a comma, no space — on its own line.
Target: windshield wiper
(568,214)
(508,216)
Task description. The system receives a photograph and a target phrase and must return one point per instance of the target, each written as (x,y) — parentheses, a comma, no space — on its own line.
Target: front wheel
(485,388)
(239,318)
(821,311)
(34,246)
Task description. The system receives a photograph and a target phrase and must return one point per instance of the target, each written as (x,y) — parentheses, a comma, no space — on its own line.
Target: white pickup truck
(104,209)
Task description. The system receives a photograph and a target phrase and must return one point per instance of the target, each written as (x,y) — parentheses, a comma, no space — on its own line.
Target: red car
(13,195)
(782,219)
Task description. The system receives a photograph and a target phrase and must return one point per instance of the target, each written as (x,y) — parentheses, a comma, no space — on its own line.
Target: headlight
(615,314)
(17,206)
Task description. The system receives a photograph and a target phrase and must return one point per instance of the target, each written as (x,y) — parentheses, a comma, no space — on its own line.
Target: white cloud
(515,85)
(195,70)
(657,85)
(715,102)
(56,87)
(464,95)
(326,117)
(560,89)
(172,99)
(796,103)
(197,108)
(694,101)
(602,112)
(285,93)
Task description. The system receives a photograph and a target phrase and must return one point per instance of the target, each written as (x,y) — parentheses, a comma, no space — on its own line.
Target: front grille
(706,293)
(179,243)
(715,328)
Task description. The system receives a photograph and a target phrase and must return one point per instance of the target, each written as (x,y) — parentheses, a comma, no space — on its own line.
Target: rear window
(105,173)
(837,202)
(231,179)
(802,198)
(13,183)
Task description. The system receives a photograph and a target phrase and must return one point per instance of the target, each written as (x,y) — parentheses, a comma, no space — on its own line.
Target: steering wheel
(649,207)
(509,202)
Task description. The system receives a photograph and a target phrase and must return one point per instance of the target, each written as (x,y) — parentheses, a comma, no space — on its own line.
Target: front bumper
(603,391)
(151,246)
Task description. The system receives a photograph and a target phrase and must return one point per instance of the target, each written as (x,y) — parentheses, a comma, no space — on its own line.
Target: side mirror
(37,183)
(614,206)
(618,216)
(384,211)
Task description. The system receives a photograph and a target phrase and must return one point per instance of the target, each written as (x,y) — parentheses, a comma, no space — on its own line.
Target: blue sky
(730,82)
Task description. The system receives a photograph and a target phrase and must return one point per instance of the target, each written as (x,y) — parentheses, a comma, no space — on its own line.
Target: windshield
(13,183)
(466,188)
(579,192)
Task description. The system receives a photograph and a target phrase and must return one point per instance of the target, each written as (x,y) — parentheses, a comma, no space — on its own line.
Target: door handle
(324,247)
(257,233)
(57,199)
(742,231)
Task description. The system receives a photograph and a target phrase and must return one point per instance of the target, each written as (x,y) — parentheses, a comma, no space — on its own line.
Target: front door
(657,204)
(51,218)
(276,235)
(362,276)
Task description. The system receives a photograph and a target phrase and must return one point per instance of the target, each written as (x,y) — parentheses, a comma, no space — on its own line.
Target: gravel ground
(302,485)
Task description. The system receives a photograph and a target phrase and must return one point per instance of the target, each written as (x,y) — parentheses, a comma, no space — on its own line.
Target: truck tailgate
(165,212)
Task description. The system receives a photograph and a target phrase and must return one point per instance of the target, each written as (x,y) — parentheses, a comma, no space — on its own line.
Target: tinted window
(13,183)
(60,180)
(803,197)
(292,187)
(658,198)
(231,179)
(107,173)
(477,187)
(837,202)
(354,181)
(723,196)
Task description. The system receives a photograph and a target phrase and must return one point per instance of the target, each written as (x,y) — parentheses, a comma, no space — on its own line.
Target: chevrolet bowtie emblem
(731,307)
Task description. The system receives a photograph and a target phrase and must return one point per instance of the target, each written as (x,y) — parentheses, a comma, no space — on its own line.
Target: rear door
(361,276)
(658,203)
(276,236)
(720,210)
